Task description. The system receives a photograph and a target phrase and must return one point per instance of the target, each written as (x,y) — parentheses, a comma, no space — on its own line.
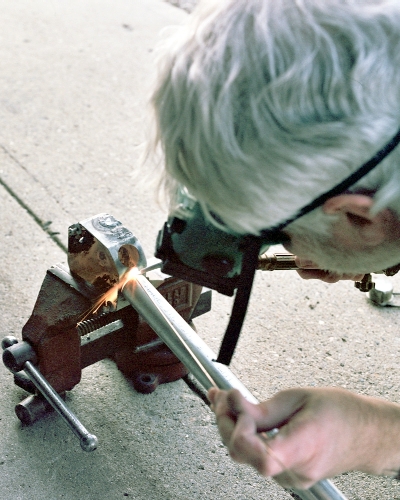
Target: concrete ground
(74,81)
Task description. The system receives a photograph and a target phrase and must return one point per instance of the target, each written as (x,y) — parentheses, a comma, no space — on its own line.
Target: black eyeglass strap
(245,283)
(342,186)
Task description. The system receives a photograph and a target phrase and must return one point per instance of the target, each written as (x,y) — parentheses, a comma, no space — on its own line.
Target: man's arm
(322,432)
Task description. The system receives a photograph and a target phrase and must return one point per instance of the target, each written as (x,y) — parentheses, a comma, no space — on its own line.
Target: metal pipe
(175,332)
(323,490)
(198,358)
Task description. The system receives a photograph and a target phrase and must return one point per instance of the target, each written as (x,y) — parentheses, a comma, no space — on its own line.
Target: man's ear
(356,223)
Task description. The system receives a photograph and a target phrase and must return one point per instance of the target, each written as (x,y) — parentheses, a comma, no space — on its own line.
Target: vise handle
(19,356)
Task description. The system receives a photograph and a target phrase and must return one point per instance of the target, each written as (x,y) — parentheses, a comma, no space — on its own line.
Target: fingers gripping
(238,425)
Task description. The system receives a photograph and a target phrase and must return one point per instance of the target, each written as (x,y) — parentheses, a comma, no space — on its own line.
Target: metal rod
(323,490)
(88,441)
(180,337)
(198,358)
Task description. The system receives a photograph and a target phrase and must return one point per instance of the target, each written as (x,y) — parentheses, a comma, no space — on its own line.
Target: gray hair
(261,105)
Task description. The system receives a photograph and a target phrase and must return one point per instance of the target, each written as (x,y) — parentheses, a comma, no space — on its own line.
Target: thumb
(278,410)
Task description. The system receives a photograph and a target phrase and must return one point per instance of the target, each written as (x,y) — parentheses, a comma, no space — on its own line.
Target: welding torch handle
(19,357)
(198,358)
(277,262)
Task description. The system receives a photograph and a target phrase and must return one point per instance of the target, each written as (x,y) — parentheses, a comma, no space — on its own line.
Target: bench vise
(80,317)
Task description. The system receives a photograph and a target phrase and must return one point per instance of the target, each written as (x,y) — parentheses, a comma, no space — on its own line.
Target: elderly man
(261,106)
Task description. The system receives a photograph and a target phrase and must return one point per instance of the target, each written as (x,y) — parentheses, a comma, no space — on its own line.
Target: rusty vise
(80,317)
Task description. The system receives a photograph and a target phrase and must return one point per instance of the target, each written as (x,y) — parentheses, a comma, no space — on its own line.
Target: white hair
(261,105)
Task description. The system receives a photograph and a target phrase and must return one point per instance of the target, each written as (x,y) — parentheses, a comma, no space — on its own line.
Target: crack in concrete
(44,225)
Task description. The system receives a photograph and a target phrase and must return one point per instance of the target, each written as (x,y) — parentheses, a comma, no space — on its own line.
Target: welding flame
(130,275)
(111,296)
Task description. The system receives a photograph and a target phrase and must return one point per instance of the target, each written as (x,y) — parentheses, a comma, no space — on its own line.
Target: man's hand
(309,271)
(322,433)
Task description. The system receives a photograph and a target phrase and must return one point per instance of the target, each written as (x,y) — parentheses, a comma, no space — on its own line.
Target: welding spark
(111,295)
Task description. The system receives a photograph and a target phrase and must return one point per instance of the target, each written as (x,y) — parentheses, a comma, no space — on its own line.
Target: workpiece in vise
(80,317)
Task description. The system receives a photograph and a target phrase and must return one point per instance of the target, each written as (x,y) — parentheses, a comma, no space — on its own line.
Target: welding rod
(198,358)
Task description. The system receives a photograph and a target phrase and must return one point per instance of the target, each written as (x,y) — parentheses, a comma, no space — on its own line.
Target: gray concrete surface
(74,80)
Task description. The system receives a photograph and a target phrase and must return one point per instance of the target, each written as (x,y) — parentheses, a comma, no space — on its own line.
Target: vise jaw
(101,250)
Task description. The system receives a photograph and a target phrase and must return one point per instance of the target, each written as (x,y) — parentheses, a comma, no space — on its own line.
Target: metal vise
(80,318)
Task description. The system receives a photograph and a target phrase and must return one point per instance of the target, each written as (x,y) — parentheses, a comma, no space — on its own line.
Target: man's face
(338,247)
(329,256)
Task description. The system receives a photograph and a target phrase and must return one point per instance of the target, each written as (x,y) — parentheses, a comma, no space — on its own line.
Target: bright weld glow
(112,294)
(128,276)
